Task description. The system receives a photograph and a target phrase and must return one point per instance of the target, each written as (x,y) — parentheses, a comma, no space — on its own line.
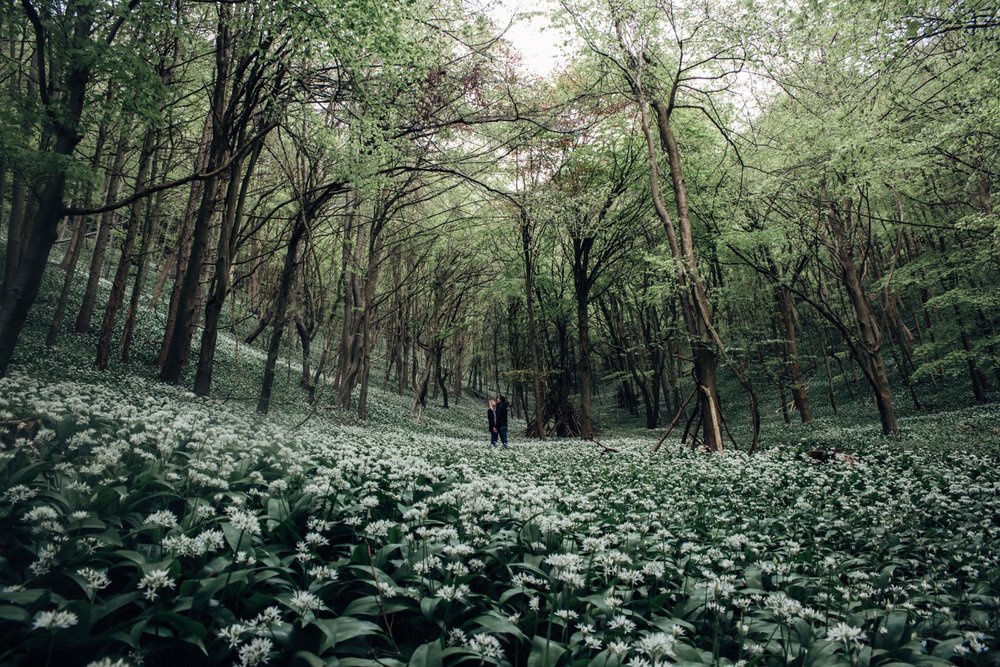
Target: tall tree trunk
(976,375)
(355,240)
(421,385)
(790,347)
(371,283)
(21,284)
(582,292)
(459,355)
(107,221)
(120,281)
(653,358)
(533,342)
(150,231)
(307,211)
(231,215)
(281,310)
(440,375)
(305,342)
(187,301)
(585,371)
(868,348)
(694,305)
(17,223)
(178,259)
(72,257)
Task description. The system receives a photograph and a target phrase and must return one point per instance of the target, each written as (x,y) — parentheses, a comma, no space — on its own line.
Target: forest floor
(143,524)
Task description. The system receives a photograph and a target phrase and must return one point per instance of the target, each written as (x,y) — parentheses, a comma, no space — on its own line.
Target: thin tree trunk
(689,287)
(790,346)
(81,223)
(72,257)
(867,350)
(536,357)
(232,214)
(371,283)
(125,260)
(355,240)
(115,177)
(281,310)
(583,334)
(150,230)
(18,219)
(179,343)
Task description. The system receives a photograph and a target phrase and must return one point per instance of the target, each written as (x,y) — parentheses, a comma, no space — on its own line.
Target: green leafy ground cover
(144,524)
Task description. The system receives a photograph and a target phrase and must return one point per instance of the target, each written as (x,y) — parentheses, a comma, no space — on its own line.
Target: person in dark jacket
(491,419)
(502,419)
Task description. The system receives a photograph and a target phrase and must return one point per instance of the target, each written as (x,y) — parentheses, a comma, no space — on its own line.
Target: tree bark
(107,221)
(867,347)
(355,240)
(581,290)
(533,343)
(180,336)
(70,260)
(367,342)
(790,348)
(21,285)
(231,216)
(281,310)
(307,211)
(125,260)
(17,222)
(694,306)
(150,230)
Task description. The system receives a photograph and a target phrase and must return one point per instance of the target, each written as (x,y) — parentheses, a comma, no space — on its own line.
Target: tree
(71,42)
(658,83)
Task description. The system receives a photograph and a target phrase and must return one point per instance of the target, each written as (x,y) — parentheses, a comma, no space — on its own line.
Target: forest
(734,264)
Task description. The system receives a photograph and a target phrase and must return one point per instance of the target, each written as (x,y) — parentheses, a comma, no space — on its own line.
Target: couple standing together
(496,417)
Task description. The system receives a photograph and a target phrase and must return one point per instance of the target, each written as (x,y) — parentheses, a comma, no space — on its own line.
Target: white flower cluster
(154,581)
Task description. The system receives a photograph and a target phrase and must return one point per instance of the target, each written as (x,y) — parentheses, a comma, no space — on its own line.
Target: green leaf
(824,653)
(895,625)
(545,652)
(932,661)
(428,606)
(16,614)
(366,606)
(115,603)
(26,597)
(885,576)
(133,556)
(277,509)
(426,655)
(187,627)
(946,649)
(344,628)
(235,537)
(499,625)
(307,658)
(685,653)
(605,659)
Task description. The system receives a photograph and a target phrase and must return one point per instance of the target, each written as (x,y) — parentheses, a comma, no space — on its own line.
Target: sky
(534,36)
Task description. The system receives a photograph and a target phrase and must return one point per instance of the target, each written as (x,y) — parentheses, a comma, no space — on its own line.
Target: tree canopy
(710,206)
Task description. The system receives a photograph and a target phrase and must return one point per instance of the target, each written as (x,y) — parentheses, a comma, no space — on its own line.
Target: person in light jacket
(491,419)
